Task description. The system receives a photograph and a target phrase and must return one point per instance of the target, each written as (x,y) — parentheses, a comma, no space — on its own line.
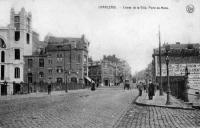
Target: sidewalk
(160,101)
(37,94)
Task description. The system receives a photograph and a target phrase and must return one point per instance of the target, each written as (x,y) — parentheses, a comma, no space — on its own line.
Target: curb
(143,104)
(124,112)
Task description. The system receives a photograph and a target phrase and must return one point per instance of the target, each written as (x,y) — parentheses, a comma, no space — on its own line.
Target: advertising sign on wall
(179,70)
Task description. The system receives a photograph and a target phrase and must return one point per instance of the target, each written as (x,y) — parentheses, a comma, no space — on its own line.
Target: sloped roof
(52,39)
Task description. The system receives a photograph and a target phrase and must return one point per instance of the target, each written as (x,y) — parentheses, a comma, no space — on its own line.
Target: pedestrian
(93,86)
(144,87)
(151,90)
(49,89)
(140,86)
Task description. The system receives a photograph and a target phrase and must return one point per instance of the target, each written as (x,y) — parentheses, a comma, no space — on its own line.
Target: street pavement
(161,101)
(103,108)
(154,113)
(75,109)
(158,117)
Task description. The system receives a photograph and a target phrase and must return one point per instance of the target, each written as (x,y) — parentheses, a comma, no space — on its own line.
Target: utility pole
(65,72)
(161,88)
(168,102)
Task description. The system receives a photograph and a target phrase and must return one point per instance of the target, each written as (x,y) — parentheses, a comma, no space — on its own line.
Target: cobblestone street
(103,108)
(78,109)
(158,117)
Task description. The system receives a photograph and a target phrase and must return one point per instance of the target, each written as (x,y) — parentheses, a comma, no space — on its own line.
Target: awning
(89,79)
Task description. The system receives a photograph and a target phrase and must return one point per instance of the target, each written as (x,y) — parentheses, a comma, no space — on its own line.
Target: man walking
(151,90)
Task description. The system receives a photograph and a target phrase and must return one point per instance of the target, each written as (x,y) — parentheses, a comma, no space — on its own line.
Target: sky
(130,34)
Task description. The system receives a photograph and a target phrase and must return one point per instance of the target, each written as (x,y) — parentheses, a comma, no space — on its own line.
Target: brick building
(64,64)
(35,72)
(180,57)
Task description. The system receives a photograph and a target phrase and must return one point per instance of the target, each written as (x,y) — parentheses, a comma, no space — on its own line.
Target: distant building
(103,72)
(95,71)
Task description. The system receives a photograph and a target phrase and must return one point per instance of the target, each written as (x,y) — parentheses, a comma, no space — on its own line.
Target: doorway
(3,89)
(16,88)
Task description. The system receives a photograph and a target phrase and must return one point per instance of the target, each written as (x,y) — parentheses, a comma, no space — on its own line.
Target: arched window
(41,74)
(17,72)
(2,43)
(2,56)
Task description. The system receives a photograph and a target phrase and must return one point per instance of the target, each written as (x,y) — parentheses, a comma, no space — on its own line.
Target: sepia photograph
(99,64)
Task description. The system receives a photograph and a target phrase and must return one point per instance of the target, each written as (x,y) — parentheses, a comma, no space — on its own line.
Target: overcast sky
(131,34)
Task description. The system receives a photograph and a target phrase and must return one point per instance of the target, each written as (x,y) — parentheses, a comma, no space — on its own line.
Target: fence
(43,87)
(177,86)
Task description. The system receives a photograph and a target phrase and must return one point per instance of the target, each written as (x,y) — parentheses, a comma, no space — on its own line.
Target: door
(3,89)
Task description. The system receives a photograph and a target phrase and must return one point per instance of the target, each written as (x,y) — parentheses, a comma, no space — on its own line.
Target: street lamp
(167,48)
(185,84)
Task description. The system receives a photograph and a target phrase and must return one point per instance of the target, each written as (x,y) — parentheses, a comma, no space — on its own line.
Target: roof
(178,47)
(65,43)
(57,40)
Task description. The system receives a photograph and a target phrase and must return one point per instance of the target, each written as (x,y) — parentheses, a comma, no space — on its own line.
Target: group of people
(149,88)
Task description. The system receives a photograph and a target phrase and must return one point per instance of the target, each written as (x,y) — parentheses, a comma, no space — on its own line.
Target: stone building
(95,71)
(181,57)
(102,72)
(15,42)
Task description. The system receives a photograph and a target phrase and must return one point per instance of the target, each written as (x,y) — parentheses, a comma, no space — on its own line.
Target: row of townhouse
(107,73)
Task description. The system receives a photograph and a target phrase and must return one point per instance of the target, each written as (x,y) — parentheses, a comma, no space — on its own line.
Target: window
(2,43)
(85,59)
(17,54)
(59,69)
(41,74)
(79,58)
(17,72)
(59,57)
(50,71)
(17,22)
(2,72)
(30,63)
(30,77)
(2,56)
(27,38)
(17,35)
(59,80)
(50,61)
(41,62)
(28,24)
(17,19)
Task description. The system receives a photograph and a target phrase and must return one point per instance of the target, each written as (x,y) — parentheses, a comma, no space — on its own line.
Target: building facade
(105,73)
(16,41)
(64,64)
